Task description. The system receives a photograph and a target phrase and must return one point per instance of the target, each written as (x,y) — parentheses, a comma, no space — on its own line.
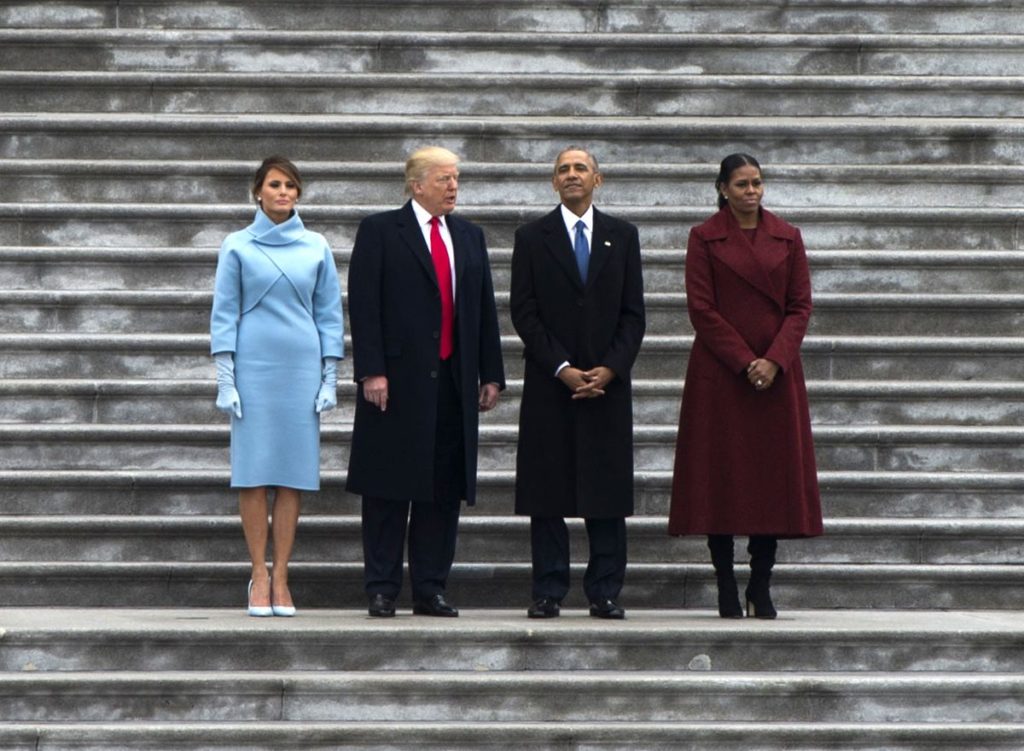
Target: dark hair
(567,149)
(729,165)
(279,163)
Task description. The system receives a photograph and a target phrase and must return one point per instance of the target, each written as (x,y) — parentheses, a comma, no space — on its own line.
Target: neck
(746,221)
(579,208)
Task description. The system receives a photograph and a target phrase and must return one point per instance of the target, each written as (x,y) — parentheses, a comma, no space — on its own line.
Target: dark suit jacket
(575,458)
(395,318)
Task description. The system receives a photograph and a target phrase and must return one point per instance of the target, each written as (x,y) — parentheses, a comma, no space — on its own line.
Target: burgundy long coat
(745,459)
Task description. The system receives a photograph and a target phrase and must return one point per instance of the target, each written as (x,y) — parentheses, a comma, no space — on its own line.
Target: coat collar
(753,262)
(722,223)
(556,239)
(265,232)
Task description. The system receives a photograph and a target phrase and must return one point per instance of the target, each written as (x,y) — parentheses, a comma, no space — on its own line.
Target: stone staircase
(890,133)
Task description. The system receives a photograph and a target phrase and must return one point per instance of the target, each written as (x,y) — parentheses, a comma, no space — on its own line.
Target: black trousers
(432,526)
(606,568)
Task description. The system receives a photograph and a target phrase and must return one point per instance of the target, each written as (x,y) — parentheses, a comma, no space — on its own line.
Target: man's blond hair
(422,160)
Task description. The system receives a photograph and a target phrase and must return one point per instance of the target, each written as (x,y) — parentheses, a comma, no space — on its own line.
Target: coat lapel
(748,261)
(409,231)
(556,239)
(601,246)
(460,243)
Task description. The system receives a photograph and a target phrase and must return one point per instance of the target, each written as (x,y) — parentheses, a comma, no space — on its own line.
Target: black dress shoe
(545,607)
(382,607)
(607,609)
(436,606)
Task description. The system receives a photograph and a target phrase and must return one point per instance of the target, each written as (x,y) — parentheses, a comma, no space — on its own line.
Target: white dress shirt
(423,217)
(570,220)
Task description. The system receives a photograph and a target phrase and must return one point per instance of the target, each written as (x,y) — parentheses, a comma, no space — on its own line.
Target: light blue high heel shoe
(258,611)
(286,611)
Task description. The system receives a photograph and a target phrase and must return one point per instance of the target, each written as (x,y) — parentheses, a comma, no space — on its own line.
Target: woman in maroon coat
(744,456)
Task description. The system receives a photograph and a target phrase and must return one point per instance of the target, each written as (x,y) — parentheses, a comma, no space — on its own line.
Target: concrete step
(802,140)
(445,736)
(889,448)
(486,585)
(539,51)
(809,16)
(841,271)
(60,640)
(512,183)
(185,312)
(498,539)
(655,402)
(104,356)
(539,696)
(845,494)
(838,228)
(510,93)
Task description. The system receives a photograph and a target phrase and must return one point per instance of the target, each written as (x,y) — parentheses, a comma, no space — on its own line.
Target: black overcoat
(575,458)
(395,319)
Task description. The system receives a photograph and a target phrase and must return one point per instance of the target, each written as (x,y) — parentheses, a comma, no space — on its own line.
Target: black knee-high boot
(728,593)
(762,559)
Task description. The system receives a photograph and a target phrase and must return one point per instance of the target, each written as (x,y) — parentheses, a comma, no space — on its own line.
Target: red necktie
(443,269)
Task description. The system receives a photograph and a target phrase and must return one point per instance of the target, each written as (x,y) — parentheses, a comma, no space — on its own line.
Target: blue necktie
(582,250)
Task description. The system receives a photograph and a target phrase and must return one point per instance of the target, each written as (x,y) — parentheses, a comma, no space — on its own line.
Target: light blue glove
(327,398)
(227,395)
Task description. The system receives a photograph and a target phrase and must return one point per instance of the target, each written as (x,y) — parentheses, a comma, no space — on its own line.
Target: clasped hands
(375,391)
(761,373)
(586,384)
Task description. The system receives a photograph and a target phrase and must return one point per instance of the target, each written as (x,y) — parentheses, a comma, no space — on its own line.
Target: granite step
(186,311)
(103,356)
(539,696)
(539,51)
(129,584)
(891,448)
(838,270)
(497,539)
(655,402)
(845,494)
(824,140)
(218,181)
(365,735)
(816,16)
(877,227)
(61,640)
(509,93)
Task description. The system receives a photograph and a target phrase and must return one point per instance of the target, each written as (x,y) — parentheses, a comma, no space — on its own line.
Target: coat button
(437,334)
(433,374)
(579,303)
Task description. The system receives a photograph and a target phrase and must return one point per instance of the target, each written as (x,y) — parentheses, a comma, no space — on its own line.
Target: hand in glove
(327,398)
(227,395)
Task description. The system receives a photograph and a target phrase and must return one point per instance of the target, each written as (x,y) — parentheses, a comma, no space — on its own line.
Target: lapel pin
(608,243)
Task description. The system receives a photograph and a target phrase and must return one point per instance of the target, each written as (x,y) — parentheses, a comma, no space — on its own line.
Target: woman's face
(744,190)
(277,195)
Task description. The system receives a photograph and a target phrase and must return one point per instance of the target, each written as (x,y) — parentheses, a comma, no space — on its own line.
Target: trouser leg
(433,530)
(384,525)
(549,545)
(606,568)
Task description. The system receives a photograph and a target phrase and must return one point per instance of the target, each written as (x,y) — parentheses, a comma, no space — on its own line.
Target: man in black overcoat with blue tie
(426,354)
(577,303)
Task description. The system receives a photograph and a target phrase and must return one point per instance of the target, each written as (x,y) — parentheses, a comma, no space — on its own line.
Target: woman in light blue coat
(276,336)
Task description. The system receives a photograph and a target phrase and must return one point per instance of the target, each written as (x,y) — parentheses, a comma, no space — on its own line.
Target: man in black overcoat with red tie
(426,354)
(577,303)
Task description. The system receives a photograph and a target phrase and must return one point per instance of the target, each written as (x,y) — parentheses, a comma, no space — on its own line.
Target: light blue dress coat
(277,308)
